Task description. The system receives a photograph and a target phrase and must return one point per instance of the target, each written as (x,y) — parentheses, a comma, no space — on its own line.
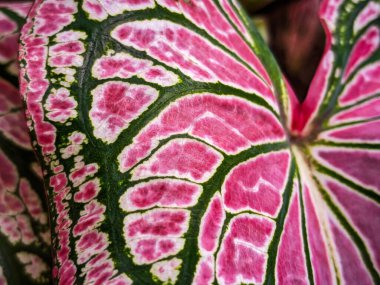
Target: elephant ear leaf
(24,229)
(163,128)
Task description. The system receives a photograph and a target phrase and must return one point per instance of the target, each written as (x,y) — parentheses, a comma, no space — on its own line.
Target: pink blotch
(167,42)
(58,182)
(77,137)
(211,225)
(257,184)
(61,206)
(46,134)
(7,25)
(363,213)
(204,274)
(365,84)
(155,234)
(99,270)
(74,146)
(99,274)
(242,257)
(116,104)
(52,16)
(162,193)
(242,120)
(291,262)
(98,259)
(149,250)
(9,228)
(369,13)
(66,273)
(90,244)
(317,244)
(90,218)
(10,204)
(81,171)
(58,169)
(60,106)
(66,60)
(209,17)
(365,132)
(160,223)
(26,230)
(220,133)
(120,65)
(13,126)
(352,162)
(182,158)
(87,191)
(8,48)
(73,47)
(329,13)
(367,110)
(62,231)
(94,9)
(159,75)
(351,264)
(32,201)
(154,73)
(363,49)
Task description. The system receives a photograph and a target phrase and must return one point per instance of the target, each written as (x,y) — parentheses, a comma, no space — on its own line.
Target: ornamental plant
(25,256)
(175,152)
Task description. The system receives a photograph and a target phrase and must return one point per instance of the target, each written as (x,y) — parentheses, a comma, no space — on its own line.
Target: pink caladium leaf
(175,152)
(25,256)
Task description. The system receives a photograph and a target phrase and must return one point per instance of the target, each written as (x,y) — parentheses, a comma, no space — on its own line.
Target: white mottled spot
(34,265)
(167,271)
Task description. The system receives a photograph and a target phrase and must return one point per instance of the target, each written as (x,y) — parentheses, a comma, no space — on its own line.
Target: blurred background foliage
(295,35)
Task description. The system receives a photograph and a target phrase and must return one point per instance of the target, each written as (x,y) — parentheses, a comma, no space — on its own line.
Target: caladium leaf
(338,125)
(25,256)
(174,154)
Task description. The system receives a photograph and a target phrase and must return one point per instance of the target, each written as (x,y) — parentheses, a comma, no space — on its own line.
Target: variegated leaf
(338,126)
(174,154)
(24,229)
